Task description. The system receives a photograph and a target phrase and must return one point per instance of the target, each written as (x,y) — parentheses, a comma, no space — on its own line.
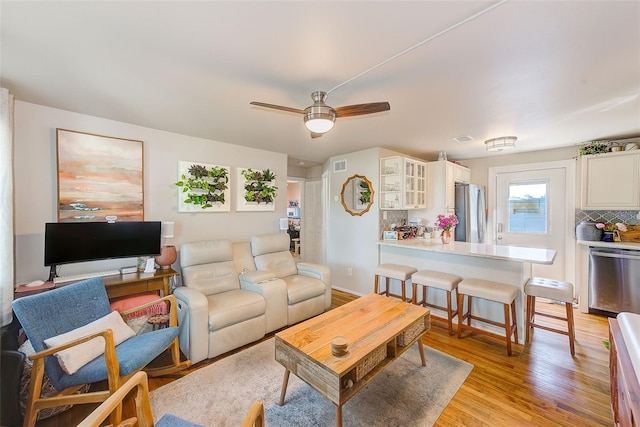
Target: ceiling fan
(319,118)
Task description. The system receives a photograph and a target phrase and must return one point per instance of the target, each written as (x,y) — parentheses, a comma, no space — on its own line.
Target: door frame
(570,205)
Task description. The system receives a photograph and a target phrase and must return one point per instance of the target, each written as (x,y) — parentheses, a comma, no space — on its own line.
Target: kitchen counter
(505,264)
(614,245)
(482,250)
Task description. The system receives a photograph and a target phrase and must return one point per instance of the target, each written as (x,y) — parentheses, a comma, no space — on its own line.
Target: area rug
(404,393)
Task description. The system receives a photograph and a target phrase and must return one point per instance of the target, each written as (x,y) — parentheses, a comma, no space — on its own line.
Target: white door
(314,240)
(531,210)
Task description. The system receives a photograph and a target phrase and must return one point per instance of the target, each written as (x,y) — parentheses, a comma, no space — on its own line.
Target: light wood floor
(541,384)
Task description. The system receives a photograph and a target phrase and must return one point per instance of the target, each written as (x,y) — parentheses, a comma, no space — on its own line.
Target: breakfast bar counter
(505,264)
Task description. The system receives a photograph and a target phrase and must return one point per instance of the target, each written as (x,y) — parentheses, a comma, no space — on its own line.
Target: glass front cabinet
(403,183)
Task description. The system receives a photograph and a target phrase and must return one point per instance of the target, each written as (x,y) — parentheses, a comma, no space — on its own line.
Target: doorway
(533,206)
(295,189)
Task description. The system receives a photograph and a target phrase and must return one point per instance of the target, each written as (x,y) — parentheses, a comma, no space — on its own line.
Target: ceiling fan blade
(360,109)
(277,107)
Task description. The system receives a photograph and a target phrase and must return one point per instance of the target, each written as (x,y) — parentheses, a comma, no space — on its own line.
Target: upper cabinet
(403,183)
(611,181)
(442,176)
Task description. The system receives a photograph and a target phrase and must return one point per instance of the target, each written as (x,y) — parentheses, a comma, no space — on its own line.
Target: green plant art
(204,186)
(259,187)
(365,193)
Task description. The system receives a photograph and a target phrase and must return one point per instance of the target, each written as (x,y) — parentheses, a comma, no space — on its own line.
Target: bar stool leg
(376,279)
(507,326)
(572,331)
(403,292)
(414,287)
(386,281)
(515,323)
(527,325)
(449,313)
(461,314)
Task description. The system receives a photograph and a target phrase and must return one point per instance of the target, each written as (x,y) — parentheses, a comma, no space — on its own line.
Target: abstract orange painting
(99,176)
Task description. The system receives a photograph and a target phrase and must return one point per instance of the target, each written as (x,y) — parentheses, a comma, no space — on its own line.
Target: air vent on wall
(340,166)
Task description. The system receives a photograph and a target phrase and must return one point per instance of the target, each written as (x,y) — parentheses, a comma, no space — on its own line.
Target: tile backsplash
(393,217)
(608,217)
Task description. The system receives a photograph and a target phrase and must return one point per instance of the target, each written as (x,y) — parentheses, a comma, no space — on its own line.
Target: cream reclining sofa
(225,302)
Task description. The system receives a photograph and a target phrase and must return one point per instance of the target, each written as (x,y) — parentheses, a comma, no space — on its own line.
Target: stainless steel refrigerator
(471,210)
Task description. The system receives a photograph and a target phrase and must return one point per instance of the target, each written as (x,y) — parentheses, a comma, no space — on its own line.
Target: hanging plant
(204,187)
(259,187)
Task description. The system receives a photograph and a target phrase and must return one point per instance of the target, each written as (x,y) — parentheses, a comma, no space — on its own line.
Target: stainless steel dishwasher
(614,281)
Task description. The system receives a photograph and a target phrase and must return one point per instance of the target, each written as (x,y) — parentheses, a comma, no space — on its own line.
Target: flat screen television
(69,242)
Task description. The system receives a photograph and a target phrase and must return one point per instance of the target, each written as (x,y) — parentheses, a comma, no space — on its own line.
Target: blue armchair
(52,313)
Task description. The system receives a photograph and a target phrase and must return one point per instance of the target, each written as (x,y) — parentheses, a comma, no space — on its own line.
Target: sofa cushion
(205,252)
(281,264)
(229,308)
(269,243)
(302,288)
(211,278)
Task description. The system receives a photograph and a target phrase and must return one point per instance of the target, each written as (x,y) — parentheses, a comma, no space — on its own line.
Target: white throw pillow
(76,357)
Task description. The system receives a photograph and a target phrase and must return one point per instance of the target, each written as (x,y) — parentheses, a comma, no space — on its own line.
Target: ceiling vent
(339,166)
(463,138)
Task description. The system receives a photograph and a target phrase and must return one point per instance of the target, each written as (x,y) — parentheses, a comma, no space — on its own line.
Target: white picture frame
(183,171)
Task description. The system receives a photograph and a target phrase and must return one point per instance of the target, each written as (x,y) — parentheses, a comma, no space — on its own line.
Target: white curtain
(6,201)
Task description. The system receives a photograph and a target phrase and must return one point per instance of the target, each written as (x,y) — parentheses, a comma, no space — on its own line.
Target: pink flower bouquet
(611,227)
(446,222)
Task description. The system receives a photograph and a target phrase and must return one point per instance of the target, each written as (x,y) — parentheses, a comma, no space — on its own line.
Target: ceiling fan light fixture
(319,119)
(500,144)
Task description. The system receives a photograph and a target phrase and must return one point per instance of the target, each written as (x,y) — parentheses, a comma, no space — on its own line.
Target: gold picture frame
(99,176)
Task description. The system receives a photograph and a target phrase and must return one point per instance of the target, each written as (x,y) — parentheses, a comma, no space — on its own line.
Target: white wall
(36,191)
(352,241)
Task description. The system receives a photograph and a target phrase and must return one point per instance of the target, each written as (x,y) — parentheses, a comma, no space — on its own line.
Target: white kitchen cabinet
(403,183)
(611,181)
(442,176)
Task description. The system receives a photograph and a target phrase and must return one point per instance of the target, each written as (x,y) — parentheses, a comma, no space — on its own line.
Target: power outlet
(384,215)
(349,271)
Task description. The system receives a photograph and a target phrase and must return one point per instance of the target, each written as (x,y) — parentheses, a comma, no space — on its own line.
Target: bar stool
(393,271)
(491,291)
(439,280)
(554,290)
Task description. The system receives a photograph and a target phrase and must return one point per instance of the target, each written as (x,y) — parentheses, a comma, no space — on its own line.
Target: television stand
(129,284)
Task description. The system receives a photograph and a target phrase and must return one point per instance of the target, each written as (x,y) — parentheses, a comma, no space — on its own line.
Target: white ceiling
(553,73)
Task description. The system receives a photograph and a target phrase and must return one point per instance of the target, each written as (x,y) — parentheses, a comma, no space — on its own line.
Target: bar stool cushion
(436,279)
(395,271)
(549,288)
(489,290)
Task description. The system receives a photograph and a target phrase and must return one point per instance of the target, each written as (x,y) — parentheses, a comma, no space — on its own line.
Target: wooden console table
(136,283)
(128,284)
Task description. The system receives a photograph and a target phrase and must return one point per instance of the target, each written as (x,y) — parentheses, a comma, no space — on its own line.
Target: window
(528,207)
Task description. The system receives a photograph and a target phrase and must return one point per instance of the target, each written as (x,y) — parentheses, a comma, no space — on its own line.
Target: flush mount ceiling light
(502,143)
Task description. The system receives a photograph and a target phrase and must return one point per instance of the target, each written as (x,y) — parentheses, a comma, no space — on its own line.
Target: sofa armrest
(193,313)
(274,292)
(319,272)
(256,276)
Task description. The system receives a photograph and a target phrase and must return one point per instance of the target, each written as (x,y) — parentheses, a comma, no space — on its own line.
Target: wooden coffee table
(379,329)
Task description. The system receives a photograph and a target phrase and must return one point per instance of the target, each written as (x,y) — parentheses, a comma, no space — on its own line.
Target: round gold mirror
(357,195)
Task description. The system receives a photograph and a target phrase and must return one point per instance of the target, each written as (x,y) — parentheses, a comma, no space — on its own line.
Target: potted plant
(594,147)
